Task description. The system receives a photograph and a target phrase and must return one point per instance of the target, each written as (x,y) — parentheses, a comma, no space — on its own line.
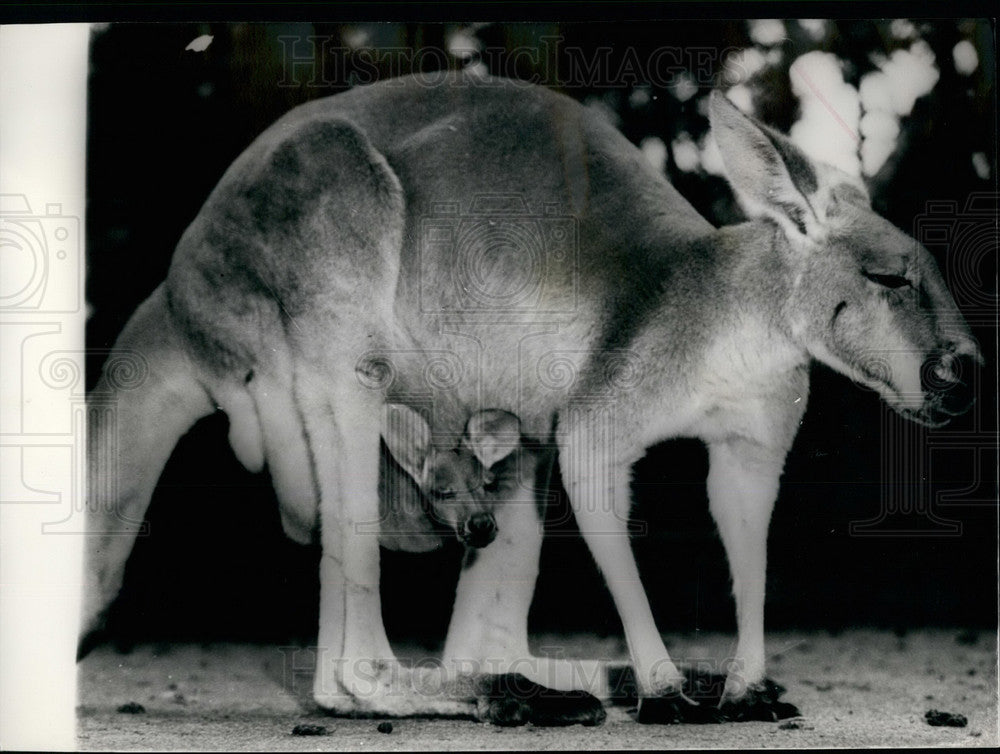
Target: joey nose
(947,379)
(479,530)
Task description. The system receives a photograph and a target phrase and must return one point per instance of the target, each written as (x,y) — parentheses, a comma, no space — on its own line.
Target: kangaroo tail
(147,398)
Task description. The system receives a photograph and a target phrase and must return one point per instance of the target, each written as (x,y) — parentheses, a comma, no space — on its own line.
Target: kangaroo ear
(770,175)
(408,438)
(492,435)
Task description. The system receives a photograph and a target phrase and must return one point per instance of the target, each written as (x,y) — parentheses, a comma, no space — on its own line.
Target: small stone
(385,727)
(949,719)
(132,708)
(309,729)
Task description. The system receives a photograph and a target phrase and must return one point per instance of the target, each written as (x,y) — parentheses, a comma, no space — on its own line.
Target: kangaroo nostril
(479,530)
(947,378)
(482,522)
(937,373)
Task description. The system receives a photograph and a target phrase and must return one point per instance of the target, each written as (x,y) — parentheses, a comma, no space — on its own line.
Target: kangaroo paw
(556,708)
(511,699)
(761,702)
(502,699)
(697,705)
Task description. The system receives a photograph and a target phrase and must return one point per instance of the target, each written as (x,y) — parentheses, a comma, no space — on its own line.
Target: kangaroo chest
(744,382)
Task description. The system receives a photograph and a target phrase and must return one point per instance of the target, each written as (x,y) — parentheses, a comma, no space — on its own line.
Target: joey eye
(887,281)
(442,494)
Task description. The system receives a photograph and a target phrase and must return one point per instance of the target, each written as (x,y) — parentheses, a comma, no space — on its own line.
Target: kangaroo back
(501,206)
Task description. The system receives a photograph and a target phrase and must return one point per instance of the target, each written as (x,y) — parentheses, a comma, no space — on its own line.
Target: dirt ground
(861,688)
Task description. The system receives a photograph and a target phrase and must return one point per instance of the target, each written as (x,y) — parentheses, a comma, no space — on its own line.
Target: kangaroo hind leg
(357,672)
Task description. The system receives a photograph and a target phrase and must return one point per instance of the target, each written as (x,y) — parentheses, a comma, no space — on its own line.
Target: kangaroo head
(463,484)
(863,297)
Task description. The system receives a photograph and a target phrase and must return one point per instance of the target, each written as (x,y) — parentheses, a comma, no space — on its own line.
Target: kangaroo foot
(761,702)
(510,699)
(670,708)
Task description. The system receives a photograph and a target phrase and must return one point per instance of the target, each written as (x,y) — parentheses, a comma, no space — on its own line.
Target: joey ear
(492,435)
(408,438)
(770,175)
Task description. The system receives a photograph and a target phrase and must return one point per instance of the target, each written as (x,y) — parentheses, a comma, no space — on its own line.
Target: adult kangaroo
(470,243)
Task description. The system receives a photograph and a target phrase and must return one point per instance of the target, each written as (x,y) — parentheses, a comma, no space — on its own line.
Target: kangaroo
(475,242)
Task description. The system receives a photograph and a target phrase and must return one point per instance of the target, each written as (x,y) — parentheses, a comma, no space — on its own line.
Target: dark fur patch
(795,214)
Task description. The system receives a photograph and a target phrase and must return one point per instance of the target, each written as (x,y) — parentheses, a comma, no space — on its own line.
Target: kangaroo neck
(728,292)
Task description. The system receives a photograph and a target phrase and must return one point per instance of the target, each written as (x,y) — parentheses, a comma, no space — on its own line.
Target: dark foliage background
(164,124)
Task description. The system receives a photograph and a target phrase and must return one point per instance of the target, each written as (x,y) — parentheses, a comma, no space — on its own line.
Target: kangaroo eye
(887,281)
(491,482)
(442,494)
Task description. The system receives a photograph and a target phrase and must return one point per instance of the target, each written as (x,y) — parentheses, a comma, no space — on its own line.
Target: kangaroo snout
(479,530)
(946,379)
